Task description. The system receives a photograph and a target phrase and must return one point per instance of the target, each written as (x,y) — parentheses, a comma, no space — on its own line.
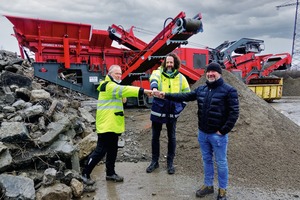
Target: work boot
(152,167)
(115,178)
(89,188)
(222,194)
(87,179)
(204,191)
(171,169)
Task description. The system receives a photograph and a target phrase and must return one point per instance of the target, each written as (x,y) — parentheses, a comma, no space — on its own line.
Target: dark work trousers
(171,130)
(107,144)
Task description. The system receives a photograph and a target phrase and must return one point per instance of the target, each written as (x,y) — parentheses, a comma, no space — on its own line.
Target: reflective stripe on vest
(110,108)
(114,94)
(157,114)
(109,101)
(180,82)
(114,100)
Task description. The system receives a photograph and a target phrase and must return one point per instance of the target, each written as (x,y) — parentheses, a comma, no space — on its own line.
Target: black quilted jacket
(218,106)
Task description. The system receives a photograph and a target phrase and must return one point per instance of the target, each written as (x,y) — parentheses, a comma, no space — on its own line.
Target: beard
(212,79)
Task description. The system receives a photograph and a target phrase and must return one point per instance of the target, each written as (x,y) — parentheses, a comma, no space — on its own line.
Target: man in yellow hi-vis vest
(166,78)
(110,122)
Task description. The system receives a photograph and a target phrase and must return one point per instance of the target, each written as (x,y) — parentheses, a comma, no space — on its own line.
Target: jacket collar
(169,75)
(110,78)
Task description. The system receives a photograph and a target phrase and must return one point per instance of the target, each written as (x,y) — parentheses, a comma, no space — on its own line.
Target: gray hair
(112,67)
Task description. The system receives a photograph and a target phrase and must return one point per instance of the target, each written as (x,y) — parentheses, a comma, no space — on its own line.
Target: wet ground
(289,106)
(160,186)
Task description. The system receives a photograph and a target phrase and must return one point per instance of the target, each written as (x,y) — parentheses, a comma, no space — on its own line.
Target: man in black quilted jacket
(218,111)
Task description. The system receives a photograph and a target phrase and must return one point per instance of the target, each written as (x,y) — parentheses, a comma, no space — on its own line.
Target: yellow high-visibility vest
(172,83)
(110,110)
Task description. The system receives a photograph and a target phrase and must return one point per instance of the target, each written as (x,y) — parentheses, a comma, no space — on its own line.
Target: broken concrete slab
(17,187)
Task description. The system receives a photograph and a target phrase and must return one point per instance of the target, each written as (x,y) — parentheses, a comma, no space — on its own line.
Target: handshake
(155,93)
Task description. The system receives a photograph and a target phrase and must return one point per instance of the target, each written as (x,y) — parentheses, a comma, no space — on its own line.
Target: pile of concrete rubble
(45,135)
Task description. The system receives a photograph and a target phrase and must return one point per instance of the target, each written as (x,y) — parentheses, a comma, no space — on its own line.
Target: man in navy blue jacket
(218,111)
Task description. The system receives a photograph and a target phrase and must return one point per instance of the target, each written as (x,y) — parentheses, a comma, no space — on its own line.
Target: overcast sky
(222,19)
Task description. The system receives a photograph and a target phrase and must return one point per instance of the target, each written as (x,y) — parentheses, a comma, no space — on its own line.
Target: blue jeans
(214,145)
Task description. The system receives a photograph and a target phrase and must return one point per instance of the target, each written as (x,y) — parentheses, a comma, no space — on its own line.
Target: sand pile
(291,81)
(264,146)
(291,86)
